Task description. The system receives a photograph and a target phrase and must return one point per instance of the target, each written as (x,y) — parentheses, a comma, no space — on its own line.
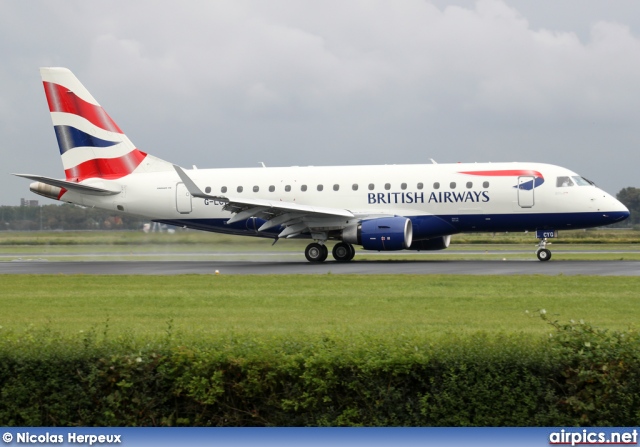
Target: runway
(418,267)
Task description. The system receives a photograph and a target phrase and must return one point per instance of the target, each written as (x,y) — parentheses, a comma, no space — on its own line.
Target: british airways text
(434,197)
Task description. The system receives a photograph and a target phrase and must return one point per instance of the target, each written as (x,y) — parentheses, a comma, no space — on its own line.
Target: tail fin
(91,143)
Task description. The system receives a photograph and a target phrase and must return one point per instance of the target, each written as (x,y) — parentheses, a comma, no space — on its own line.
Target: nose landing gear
(543,253)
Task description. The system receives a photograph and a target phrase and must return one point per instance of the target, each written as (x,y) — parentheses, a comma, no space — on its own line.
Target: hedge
(578,376)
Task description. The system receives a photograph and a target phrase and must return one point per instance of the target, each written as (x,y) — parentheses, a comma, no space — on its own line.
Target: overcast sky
(235,83)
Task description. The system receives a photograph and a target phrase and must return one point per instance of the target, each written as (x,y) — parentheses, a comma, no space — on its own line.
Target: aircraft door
(183,199)
(525,191)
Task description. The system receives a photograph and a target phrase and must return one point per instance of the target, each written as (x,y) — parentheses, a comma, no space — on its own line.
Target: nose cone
(615,210)
(623,214)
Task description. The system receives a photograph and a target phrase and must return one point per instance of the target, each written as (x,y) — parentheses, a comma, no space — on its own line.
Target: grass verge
(210,306)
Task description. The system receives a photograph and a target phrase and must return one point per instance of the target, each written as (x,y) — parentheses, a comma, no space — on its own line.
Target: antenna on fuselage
(433,161)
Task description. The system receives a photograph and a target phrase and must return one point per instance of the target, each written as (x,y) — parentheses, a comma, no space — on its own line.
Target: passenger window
(387,186)
(272,188)
(287,188)
(320,187)
(371,186)
(485,185)
(403,186)
(436,185)
(223,189)
(563,182)
(420,185)
(354,187)
(256,188)
(452,185)
(240,188)
(207,190)
(303,188)
(336,187)
(469,185)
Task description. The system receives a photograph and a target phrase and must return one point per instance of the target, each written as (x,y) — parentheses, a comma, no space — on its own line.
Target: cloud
(328,82)
(318,57)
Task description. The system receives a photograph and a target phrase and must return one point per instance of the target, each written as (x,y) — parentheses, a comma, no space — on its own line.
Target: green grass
(285,304)
(208,306)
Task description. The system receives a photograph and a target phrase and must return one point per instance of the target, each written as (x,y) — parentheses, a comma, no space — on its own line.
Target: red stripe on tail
(61,99)
(107,168)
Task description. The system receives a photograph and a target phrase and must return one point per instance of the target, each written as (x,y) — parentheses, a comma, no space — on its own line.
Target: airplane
(382,207)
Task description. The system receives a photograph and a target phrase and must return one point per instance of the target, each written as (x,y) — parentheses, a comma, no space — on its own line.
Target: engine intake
(382,234)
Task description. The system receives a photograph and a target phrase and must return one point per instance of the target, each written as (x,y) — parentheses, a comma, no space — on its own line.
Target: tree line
(630,197)
(65,217)
(73,217)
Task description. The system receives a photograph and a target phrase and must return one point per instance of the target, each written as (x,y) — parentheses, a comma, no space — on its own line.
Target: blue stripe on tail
(70,137)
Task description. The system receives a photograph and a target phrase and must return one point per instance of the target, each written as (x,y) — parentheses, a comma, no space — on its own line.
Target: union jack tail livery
(91,143)
(383,208)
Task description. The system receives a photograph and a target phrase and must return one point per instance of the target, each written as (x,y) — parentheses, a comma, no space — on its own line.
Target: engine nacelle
(437,243)
(48,191)
(383,234)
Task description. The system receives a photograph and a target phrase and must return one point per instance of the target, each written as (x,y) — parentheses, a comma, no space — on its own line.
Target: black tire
(543,254)
(343,252)
(316,252)
(353,252)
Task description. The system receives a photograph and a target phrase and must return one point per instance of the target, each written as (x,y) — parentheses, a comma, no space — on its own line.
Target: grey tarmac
(421,267)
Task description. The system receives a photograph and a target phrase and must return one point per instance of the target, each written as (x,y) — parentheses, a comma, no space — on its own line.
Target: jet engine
(382,234)
(51,192)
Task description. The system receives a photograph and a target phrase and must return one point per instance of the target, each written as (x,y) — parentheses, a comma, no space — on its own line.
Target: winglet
(192,187)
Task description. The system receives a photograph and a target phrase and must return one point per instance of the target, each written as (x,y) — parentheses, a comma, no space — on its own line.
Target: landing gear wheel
(343,252)
(316,252)
(353,252)
(325,252)
(543,254)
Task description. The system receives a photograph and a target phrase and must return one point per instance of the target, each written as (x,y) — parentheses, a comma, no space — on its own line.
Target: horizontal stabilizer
(70,186)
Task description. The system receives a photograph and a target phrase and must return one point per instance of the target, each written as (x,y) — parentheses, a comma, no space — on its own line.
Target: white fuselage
(455,193)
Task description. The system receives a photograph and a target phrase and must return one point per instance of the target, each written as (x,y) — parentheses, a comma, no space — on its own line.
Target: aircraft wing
(296,218)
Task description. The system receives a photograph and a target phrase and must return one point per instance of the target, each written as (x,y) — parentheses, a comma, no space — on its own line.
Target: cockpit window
(564,182)
(581,181)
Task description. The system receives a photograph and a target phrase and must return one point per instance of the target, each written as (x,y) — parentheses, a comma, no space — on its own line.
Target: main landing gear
(342,252)
(316,252)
